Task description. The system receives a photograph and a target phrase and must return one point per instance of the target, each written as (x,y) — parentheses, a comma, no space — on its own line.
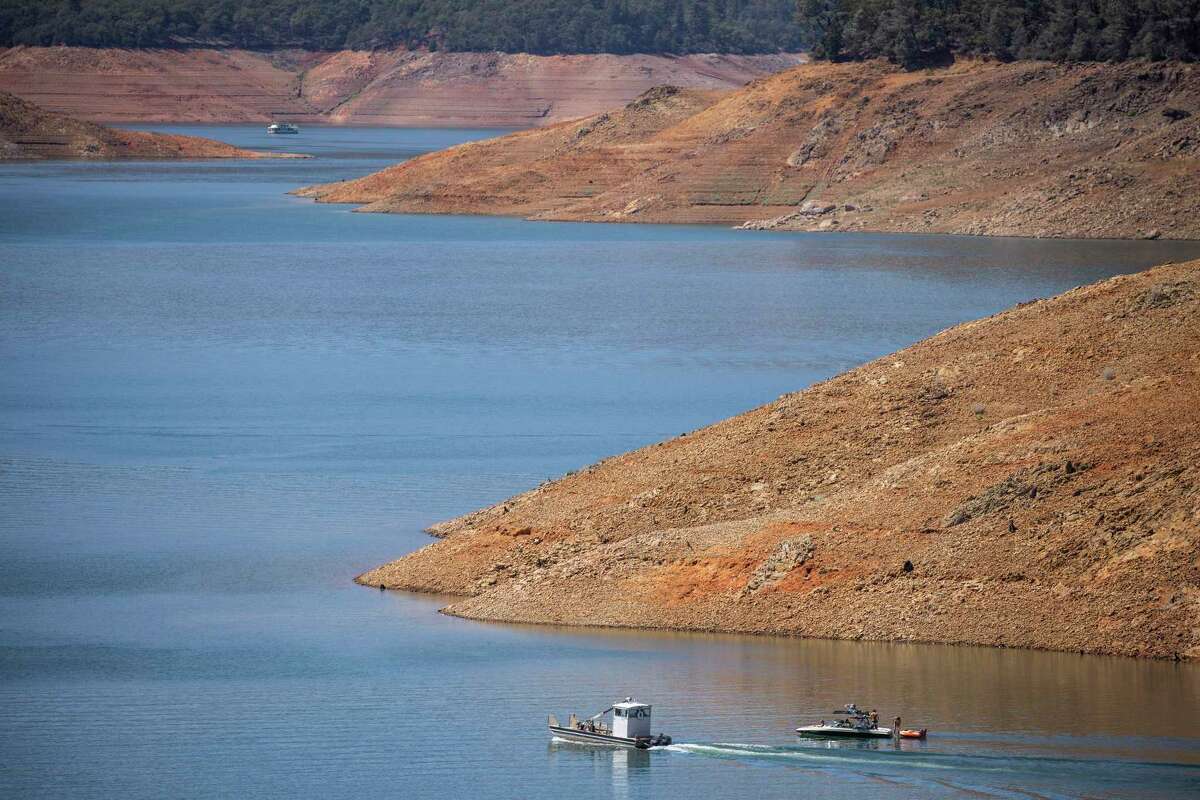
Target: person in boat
(874,718)
(896,727)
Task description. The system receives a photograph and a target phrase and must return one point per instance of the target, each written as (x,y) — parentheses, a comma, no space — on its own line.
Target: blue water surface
(220,402)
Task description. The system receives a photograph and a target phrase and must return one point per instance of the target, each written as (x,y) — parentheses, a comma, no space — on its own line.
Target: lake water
(219,403)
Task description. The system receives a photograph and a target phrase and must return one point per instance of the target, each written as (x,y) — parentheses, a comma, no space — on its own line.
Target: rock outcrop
(382,87)
(30,132)
(1028,480)
(1022,149)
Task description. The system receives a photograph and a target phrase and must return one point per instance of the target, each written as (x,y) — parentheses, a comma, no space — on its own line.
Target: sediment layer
(1022,149)
(382,87)
(1031,479)
(30,132)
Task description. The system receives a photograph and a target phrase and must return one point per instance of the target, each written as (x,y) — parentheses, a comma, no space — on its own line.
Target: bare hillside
(30,132)
(1031,479)
(381,87)
(1022,149)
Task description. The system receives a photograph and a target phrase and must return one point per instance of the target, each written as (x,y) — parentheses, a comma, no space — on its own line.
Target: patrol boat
(853,722)
(630,727)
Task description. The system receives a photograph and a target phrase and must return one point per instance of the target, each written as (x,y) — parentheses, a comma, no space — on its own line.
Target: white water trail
(850,759)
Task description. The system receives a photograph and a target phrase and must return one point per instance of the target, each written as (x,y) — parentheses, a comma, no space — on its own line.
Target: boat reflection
(625,758)
(622,763)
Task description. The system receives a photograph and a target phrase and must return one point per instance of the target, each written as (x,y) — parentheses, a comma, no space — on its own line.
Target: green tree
(824,23)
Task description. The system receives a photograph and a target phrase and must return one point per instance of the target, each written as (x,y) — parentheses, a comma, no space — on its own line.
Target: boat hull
(844,733)
(576,735)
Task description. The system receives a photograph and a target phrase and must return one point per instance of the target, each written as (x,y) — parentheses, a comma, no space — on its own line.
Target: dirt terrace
(383,87)
(1024,149)
(1030,480)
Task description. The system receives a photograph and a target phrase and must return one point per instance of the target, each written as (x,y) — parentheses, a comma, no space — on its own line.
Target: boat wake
(1005,770)
(809,755)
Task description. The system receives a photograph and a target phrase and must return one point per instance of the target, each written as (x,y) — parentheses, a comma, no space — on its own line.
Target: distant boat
(282,127)
(630,727)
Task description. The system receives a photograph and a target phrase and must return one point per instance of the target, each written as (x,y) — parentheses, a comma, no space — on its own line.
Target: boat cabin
(631,719)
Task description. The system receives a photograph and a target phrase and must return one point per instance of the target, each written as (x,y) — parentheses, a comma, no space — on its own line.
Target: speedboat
(630,727)
(282,127)
(851,722)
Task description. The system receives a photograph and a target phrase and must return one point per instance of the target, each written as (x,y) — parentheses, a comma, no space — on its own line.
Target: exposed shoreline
(1026,480)
(358,208)
(449,611)
(386,87)
(30,133)
(1108,151)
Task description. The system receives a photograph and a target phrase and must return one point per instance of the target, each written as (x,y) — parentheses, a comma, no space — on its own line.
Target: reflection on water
(1002,722)
(963,695)
(220,402)
(620,764)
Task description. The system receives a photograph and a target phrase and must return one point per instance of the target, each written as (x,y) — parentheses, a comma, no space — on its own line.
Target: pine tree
(998,34)
(820,21)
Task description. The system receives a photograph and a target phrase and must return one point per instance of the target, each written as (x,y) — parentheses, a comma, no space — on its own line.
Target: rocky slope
(30,132)
(1029,149)
(384,87)
(1031,479)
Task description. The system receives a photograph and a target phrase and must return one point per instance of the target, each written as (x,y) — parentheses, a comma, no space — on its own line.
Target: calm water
(219,403)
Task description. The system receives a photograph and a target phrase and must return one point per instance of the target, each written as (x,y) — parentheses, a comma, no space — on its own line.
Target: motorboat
(849,722)
(282,127)
(630,727)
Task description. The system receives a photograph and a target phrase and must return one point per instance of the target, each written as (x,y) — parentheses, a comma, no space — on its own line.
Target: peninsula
(1031,479)
(30,132)
(1028,148)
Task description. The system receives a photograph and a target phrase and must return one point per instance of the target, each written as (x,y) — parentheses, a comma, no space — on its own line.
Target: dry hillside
(1031,479)
(383,87)
(1098,150)
(30,132)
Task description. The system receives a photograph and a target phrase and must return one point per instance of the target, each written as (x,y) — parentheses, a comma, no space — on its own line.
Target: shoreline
(29,133)
(358,208)
(765,634)
(803,637)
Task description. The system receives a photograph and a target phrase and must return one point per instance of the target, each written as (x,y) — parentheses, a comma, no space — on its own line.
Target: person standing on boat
(896,727)
(874,718)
